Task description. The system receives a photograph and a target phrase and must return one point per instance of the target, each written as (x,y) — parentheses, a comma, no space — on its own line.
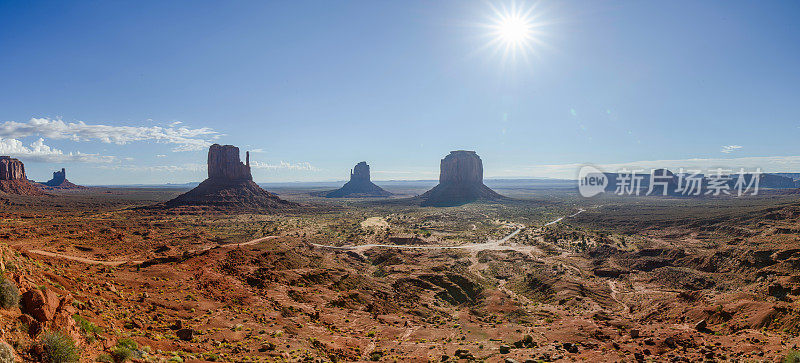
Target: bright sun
(513,31)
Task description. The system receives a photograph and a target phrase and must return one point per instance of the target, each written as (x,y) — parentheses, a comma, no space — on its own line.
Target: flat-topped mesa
(224,163)
(359,185)
(460,182)
(13,179)
(11,169)
(229,185)
(461,167)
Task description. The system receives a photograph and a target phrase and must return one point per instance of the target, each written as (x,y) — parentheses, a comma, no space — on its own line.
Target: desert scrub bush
(89,330)
(9,294)
(59,348)
(792,357)
(6,353)
(125,350)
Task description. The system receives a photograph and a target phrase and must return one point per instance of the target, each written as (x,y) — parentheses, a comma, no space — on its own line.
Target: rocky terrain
(460,182)
(13,179)
(59,181)
(359,185)
(229,185)
(545,278)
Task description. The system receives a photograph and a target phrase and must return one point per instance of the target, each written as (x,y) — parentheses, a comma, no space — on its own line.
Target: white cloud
(727,149)
(157,168)
(304,165)
(184,139)
(39,152)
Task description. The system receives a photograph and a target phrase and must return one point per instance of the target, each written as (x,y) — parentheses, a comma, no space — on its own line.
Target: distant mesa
(229,185)
(661,182)
(460,182)
(13,179)
(359,185)
(60,181)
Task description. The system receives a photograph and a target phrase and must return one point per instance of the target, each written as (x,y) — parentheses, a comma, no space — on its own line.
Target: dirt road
(117,263)
(494,245)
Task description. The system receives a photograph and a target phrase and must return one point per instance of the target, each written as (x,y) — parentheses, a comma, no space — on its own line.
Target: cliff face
(460,182)
(359,185)
(11,169)
(461,167)
(13,179)
(360,172)
(224,163)
(229,185)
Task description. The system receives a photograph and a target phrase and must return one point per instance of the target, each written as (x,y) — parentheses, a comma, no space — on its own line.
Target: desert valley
(231,272)
(502,181)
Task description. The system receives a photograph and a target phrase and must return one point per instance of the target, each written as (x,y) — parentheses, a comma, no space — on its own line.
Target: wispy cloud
(157,168)
(38,151)
(184,139)
(304,166)
(727,149)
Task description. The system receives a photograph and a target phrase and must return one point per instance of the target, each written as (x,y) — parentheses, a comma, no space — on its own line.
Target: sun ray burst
(514,31)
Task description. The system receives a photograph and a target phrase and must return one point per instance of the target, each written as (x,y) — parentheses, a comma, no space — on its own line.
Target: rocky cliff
(229,185)
(360,172)
(13,179)
(11,169)
(460,182)
(359,185)
(224,163)
(59,181)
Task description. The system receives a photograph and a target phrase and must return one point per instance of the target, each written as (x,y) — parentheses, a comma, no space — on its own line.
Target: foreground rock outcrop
(13,179)
(359,185)
(229,185)
(60,181)
(460,182)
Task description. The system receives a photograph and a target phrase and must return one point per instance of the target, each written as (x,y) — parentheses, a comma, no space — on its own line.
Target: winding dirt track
(495,245)
(117,263)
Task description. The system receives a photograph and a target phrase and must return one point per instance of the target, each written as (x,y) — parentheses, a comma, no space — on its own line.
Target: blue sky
(133,92)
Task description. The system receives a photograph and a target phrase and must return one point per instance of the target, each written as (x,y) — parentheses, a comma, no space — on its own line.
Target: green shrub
(9,294)
(6,353)
(792,357)
(121,354)
(127,343)
(59,348)
(124,350)
(89,330)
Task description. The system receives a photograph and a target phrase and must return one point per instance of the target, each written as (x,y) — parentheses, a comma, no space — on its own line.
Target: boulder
(185,334)
(359,185)
(460,182)
(40,304)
